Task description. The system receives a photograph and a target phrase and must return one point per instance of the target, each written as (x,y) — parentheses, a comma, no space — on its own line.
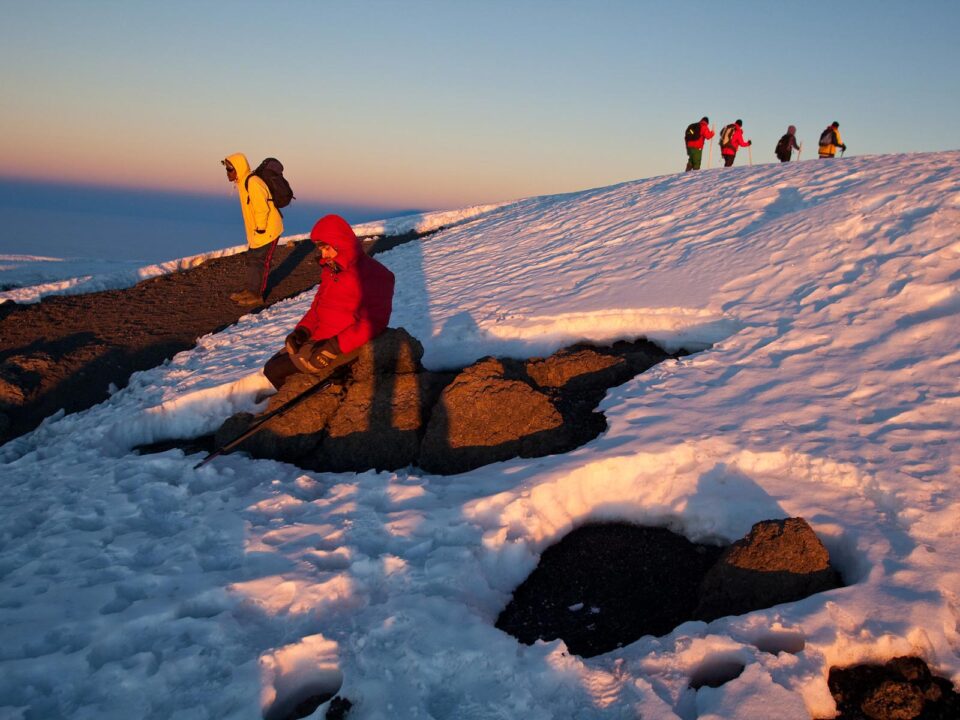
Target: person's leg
(728,160)
(695,156)
(279,368)
(258,268)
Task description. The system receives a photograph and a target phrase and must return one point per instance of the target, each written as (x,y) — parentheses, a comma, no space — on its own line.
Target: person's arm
(258,193)
(839,140)
(708,133)
(793,142)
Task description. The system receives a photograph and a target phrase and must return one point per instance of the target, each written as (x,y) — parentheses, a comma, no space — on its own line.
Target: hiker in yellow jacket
(830,141)
(264,226)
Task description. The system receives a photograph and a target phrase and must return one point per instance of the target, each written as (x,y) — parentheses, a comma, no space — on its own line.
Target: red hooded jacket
(736,142)
(354,303)
(705,134)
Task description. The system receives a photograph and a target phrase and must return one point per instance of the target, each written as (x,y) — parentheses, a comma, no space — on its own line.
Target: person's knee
(276,370)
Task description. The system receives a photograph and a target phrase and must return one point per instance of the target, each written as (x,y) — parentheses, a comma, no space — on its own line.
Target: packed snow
(824,299)
(29,278)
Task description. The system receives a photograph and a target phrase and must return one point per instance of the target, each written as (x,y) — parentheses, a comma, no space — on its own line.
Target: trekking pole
(799,150)
(750,153)
(276,412)
(710,149)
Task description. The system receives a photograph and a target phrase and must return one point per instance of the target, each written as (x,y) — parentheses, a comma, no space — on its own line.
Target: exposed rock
(606,585)
(393,352)
(20,376)
(583,364)
(294,435)
(380,423)
(483,417)
(903,689)
(779,561)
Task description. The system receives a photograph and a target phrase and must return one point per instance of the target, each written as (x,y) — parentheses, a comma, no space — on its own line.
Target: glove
(296,339)
(315,357)
(749,143)
(843,147)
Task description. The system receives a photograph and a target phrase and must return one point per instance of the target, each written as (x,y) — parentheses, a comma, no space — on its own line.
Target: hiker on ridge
(731,139)
(695,135)
(830,141)
(263,224)
(786,145)
(352,306)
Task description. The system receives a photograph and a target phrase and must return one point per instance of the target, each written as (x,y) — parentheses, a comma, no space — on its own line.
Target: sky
(433,104)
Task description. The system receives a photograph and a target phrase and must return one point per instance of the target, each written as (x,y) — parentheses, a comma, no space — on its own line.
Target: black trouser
(784,158)
(280,367)
(728,160)
(258,267)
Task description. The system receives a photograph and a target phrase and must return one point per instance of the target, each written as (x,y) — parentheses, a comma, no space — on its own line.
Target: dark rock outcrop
(778,561)
(385,412)
(606,585)
(903,689)
(484,416)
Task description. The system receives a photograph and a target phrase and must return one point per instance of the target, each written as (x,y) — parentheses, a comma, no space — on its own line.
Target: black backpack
(693,132)
(271,172)
(783,147)
(726,135)
(828,137)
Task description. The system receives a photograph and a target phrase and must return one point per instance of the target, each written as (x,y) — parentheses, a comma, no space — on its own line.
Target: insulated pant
(280,367)
(694,158)
(728,159)
(258,267)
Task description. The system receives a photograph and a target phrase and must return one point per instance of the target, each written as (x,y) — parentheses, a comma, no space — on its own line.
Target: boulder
(293,435)
(393,352)
(902,689)
(778,561)
(380,423)
(584,365)
(483,417)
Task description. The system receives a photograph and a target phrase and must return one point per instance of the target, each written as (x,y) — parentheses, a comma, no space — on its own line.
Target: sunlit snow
(827,294)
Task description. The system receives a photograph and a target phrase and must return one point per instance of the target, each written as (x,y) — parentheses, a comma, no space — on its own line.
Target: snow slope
(135,586)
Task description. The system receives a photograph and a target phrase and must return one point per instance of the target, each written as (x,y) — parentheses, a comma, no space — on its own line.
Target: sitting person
(352,306)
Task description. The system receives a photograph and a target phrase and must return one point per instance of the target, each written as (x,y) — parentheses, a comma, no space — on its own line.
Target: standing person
(830,141)
(731,139)
(786,145)
(263,223)
(351,307)
(695,135)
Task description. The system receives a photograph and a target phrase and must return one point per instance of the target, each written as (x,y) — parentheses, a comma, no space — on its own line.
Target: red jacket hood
(337,233)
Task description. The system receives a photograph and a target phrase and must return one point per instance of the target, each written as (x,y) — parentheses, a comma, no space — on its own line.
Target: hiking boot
(246,298)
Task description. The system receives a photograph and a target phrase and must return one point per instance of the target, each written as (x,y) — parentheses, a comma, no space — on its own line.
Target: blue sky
(436,104)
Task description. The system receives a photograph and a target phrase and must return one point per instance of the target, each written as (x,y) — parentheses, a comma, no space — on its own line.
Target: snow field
(134,586)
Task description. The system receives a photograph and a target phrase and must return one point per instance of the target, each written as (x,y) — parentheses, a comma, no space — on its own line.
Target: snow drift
(135,586)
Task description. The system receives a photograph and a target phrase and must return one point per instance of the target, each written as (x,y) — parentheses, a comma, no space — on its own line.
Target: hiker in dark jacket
(695,144)
(352,306)
(731,140)
(786,145)
(263,223)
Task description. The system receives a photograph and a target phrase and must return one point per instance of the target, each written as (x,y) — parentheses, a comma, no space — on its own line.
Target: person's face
(326,252)
(231,171)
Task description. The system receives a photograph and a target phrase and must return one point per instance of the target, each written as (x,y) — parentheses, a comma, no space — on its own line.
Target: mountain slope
(829,292)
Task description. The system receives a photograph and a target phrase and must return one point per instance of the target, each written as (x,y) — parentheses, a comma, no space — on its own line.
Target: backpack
(271,172)
(726,135)
(828,137)
(693,132)
(783,147)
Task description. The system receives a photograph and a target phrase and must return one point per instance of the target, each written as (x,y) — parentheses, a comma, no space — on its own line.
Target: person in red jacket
(351,307)
(731,139)
(695,146)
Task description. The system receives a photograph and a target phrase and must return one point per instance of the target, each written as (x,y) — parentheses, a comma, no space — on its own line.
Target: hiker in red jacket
(695,137)
(351,307)
(731,139)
